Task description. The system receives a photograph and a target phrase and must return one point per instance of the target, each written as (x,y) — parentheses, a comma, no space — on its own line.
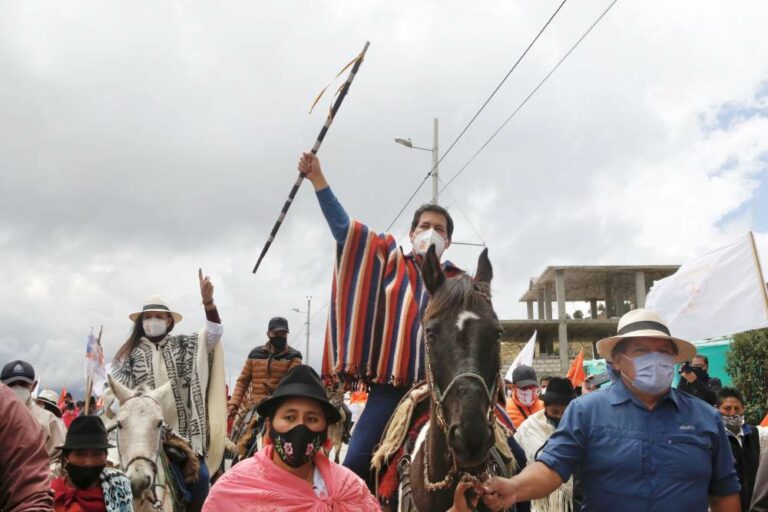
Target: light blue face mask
(653,372)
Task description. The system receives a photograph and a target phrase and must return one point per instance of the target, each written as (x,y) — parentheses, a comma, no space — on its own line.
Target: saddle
(392,457)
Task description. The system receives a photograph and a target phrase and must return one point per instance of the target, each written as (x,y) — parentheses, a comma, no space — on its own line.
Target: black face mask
(278,342)
(297,446)
(84,476)
(555,422)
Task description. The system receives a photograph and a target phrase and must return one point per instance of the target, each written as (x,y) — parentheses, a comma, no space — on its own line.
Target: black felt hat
(86,432)
(300,381)
(559,391)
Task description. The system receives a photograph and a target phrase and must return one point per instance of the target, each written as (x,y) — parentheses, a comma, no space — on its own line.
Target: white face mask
(526,396)
(423,240)
(154,327)
(23,393)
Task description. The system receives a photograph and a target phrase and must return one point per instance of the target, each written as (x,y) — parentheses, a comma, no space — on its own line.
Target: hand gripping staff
(331,116)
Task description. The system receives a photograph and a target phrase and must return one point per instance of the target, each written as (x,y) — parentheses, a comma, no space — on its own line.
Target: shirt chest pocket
(686,456)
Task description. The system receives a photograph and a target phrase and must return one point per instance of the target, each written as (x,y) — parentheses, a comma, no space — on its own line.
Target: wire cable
(482,107)
(551,72)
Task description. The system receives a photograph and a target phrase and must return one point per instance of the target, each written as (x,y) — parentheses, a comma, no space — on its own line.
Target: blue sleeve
(566,448)
(724,479)
(334,213)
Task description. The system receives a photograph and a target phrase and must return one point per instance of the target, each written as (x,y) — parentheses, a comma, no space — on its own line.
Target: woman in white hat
(194,365)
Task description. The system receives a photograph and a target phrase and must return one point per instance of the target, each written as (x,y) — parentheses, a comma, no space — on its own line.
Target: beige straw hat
(156,303)
(645,323)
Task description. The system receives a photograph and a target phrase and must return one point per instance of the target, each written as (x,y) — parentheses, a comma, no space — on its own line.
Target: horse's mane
(458,292)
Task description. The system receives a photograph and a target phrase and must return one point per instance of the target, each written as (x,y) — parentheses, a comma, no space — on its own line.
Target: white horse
(140,435)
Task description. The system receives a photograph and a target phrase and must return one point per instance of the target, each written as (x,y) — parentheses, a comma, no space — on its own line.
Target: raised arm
(333,211)
(213,328)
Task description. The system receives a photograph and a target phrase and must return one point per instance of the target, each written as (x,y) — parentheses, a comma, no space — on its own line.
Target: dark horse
(462,361)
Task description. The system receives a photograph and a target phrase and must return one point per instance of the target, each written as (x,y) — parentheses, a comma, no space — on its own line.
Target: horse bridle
(162,429)
(438,398)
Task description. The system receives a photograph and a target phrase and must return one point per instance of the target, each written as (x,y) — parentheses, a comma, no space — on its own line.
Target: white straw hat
(645,323)
(156,303)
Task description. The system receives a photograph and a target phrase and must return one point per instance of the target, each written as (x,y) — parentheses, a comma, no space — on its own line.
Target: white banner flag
(95,371)
(525,357)
(718,293)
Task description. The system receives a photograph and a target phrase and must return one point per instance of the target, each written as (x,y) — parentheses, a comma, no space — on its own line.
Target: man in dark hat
(534,432)
(20,377)
(84,475)
(265,367)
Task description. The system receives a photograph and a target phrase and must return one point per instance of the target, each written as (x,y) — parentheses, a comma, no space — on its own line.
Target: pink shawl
(259,485)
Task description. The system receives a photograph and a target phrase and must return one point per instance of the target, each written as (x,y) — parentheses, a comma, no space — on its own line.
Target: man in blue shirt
(639,445)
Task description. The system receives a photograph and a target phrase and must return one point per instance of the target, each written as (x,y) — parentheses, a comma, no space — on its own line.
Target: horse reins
(438,398)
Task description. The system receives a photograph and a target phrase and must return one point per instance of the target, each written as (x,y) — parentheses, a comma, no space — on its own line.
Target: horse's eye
(499,334)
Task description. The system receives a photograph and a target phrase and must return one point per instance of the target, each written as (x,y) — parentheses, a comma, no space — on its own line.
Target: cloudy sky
(142,140)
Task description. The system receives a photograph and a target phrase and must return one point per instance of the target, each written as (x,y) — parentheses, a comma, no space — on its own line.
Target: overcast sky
(141,140)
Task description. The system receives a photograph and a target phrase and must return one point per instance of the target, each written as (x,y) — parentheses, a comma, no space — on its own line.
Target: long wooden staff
(328,121)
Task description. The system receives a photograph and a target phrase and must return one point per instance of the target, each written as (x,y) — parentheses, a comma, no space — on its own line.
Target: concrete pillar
(610,308)
(562,326)
(593,308)
(640,288)
(547,303)
(529,305)
(540,304)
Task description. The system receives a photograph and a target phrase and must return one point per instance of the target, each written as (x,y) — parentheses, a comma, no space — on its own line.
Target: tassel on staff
(328,121)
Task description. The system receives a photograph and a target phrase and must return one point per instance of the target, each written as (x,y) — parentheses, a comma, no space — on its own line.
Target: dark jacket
(705,388)
(262,371)
(746,457)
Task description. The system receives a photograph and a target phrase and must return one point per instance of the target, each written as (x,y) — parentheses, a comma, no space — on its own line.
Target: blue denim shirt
(633,459)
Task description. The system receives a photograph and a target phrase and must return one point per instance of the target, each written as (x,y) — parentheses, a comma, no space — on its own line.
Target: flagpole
(89,379)
(321,136)
(760,276)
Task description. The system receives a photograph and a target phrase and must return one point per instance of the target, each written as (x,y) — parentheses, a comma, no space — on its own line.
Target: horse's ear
(162,393)
(122,393)
(431,271)
(484,272)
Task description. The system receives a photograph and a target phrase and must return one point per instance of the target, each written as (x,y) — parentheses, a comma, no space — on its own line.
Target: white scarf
(531,436)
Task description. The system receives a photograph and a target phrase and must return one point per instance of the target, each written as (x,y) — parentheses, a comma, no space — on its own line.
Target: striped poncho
(377,302)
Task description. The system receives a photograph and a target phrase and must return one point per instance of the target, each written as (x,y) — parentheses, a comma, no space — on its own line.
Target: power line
(466,217)
(482,107)
(551,72)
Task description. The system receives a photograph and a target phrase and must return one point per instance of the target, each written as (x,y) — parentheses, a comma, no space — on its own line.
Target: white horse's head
(140,431)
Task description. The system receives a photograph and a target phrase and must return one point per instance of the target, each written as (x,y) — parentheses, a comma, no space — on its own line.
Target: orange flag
(61,397)
(764,423)
(576,371)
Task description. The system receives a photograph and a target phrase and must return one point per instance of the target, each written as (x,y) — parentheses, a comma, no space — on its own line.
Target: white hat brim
(685,349)
(176,316)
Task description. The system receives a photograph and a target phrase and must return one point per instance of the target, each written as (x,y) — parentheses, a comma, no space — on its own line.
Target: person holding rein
(639,445)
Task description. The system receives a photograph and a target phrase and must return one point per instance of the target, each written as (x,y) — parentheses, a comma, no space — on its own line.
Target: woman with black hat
(534,432)
(291,473)
(85,484)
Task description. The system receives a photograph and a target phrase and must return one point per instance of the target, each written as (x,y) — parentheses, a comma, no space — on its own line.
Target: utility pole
(306,343)
(306,327)
(435,158)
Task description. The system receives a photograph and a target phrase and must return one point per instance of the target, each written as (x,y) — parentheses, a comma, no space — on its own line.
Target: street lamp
(306,343)
(407,143)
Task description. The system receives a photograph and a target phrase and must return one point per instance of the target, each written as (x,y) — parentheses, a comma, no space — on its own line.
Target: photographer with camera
(696,380)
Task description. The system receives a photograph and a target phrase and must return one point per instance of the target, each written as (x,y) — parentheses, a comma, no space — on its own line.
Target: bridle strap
(467,375)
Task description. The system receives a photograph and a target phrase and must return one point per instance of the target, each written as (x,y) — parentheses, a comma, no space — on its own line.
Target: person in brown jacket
(265,367)
(25,477)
